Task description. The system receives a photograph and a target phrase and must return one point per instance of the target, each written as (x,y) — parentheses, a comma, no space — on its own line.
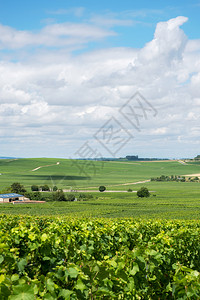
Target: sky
(99,79)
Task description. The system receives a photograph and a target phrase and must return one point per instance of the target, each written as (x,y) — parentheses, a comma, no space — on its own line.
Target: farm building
(10,197)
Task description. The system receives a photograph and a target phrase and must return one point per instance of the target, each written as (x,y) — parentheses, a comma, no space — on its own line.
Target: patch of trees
(169,178)
(60,196)
(176,178)
(197,157)
(132,157)
(43,188)
(54,194)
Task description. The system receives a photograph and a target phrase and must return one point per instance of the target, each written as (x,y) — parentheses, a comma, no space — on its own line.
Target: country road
(45,166)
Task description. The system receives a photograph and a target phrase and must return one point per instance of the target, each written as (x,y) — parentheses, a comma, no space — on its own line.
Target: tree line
(36,194)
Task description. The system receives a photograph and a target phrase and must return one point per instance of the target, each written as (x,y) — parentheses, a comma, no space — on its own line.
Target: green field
(86,174)
(112,246)
(173,200)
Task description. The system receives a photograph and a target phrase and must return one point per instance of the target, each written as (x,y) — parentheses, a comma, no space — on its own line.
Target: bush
(129,190)
(84,197)
(70,197)
(59,196)
(34,196)
(55,188)
(102,188)
(34,188)
(143,192)
(45,188)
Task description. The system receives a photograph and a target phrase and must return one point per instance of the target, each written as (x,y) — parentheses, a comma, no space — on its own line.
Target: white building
(10,197)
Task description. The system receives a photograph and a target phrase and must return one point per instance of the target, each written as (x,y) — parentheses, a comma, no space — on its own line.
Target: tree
(102,188)
(34,188)
(143,192)
(59,196)
(35,196)
(45,188)
(55,188)
(18,188)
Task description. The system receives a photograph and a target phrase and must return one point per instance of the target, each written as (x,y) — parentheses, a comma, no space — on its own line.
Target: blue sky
(144,15)
(68,67)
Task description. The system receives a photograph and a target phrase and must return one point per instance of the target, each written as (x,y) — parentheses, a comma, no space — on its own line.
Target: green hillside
(86,174)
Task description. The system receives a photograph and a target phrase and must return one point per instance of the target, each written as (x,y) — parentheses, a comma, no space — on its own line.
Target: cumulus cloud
(56,97)
(168,43)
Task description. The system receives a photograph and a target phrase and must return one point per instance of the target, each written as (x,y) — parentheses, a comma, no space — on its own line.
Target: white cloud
(54,35)
(168,43)
(63,99)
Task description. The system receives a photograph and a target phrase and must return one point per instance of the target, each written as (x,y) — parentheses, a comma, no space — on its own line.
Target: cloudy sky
(107,78)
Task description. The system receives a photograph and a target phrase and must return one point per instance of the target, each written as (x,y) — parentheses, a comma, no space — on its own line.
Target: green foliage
(34,188)
(55,188)
(102,188)
(35,196)
(70,197)
(175,178)
(71,258)
(143,192)
(85,196)
(59,196)
(18,188)
(129,190)
(45,188)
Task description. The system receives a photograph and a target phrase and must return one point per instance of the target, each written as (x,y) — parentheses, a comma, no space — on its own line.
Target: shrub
(84,197)
(102,188)
(34,196)
(55,188)
(45,188)
(59,196)
(34,188)
(70,197)
(143,192)
(129,190)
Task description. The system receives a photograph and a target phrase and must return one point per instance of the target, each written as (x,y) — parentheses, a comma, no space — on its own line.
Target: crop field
(172,201)
(111,246)
(86,174)
(72,258)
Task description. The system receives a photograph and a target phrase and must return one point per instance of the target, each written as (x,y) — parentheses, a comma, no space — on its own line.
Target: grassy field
(171,200)
(86,174)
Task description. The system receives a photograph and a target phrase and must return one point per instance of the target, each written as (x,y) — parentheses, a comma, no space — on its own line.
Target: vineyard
(74,258)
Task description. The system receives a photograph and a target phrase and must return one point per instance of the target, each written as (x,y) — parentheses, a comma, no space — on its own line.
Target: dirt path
(130,183)
(96,191)
(196,175)
(45,166)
